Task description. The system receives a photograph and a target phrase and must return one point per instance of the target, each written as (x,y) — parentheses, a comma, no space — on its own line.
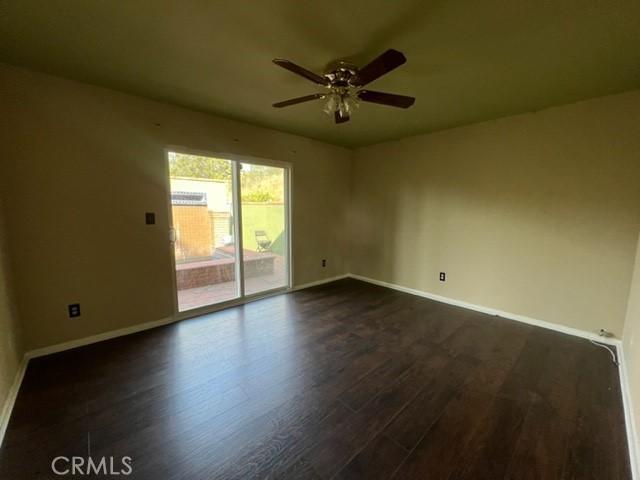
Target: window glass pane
(202,208)
(264,234)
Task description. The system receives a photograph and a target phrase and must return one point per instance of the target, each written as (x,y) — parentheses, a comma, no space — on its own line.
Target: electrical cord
(613,355)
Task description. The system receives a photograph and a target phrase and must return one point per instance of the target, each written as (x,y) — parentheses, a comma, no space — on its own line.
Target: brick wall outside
(219,271)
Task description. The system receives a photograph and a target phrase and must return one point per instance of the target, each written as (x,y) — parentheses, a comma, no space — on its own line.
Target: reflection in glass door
(206,212)
(264,227)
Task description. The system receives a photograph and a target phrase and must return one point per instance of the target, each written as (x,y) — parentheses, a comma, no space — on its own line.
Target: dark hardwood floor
(345,380)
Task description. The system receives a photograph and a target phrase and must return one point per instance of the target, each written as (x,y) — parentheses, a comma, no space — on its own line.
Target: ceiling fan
(344,83)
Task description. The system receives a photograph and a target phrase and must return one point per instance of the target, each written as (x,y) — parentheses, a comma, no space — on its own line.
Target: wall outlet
(324,262)
(443,276)
(150,218)
(605,333)
(74,310)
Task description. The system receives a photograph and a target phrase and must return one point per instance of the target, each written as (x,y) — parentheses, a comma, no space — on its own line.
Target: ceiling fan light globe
(332,105)
(344,85)
(350,104)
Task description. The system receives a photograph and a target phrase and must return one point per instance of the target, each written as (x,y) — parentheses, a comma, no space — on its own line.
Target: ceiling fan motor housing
(343,75)
(345,81)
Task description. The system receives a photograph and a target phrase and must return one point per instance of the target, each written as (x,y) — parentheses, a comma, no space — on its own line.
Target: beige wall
(632,343)
(536,214)
(83,164)
(10,348)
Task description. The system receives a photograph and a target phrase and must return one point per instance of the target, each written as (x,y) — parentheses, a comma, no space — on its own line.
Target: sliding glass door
(264,227)
(229,228)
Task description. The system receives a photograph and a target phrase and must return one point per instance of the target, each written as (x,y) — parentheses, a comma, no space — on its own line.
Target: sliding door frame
(236,161)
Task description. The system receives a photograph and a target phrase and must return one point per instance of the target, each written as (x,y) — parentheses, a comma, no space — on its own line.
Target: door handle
(172,235)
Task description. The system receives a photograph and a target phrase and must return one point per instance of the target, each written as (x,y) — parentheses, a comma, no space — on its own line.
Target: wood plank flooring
(346,380)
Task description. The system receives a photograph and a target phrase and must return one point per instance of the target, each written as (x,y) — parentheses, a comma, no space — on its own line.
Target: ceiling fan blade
(339,118)
(386,62)
(303,72)
(294,101)
(391,99)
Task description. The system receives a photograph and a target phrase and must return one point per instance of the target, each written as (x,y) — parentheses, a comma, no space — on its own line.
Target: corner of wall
(630,370)
(349,209)
(12,362)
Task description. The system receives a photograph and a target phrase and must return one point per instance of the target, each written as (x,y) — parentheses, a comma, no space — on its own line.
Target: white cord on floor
(613,355)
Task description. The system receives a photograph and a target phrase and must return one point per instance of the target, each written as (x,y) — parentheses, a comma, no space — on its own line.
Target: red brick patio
(211,293)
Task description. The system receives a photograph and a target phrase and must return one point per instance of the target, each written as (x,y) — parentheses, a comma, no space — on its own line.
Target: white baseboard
(630,425)
(492,311)
(319,282)
(627,401)
(7,409)
(439,298)
(81,342)
(10,401)
(60,347)
(632,434)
